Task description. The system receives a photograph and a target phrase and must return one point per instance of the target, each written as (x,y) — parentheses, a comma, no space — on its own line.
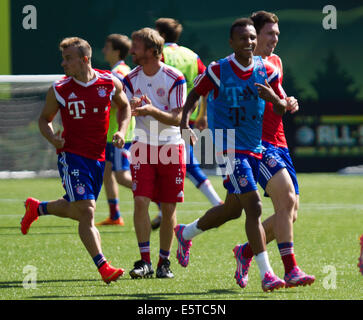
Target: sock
(247,252)
(263,264)
(191,230)
(42,209)
(208,190)
(287,255)
(162,256)
(99,260)
(145,251)
(114,209)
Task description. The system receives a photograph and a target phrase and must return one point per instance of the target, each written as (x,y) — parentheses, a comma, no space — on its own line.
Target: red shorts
(158,172)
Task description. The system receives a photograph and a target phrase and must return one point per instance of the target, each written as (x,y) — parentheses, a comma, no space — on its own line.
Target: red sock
(145,256)
(163,254)
(145,251)
(114,209)
(247,252)
(287,255)
(289,262)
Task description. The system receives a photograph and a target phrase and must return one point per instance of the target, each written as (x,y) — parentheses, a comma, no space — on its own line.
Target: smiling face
(138,52)
(243,41)
(267,39)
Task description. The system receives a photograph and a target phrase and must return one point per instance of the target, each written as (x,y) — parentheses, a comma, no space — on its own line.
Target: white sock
(263,264)
(208,190)
(191,230)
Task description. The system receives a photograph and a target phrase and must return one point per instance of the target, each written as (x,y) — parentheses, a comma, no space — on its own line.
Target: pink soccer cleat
(182,253)
(31,214)
(297,277)
(271,282)
(243,264)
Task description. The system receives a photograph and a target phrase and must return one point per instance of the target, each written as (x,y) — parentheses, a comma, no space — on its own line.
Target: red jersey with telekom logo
(85,111)
(272,127)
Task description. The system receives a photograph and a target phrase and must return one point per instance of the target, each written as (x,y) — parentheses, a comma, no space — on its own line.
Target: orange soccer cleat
(109,273)
(110,222)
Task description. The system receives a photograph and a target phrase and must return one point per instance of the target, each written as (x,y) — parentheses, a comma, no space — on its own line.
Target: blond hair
(84,49)
(151,39)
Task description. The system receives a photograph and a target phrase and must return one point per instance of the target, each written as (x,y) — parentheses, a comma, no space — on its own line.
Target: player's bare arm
(267,93)
(170,118)
(45,120)
(201,122)
(188,109)
(121,101)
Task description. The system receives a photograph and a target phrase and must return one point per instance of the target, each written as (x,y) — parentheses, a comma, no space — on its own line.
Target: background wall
(323,68)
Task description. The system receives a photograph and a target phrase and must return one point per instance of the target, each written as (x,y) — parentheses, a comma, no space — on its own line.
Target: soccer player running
(117,169)
(157,93)
(277,175)
(236,84)
(190,64)
(83,98)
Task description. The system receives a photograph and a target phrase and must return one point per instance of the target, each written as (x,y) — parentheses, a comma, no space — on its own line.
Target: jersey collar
(244,69)
(89,83)
(170,44)
(118,63)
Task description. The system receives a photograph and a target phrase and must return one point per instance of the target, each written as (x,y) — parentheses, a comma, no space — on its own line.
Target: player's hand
(139,109)
(266,92)
(118,140)
(187,133)
(201,123)
(57,141)
(135,102)
(292,104)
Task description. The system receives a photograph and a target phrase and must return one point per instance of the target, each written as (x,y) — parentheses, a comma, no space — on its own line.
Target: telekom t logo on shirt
(76,108)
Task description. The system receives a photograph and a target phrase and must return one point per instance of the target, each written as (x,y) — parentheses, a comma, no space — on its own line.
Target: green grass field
(326,245)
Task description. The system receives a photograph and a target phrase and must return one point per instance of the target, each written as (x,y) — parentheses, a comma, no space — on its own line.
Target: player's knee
(85,212)
(141,203)
(168,210)
(234,214)
(254,210)
(286,206)
(122,177)
(231,210)
(290,200)
(258,209)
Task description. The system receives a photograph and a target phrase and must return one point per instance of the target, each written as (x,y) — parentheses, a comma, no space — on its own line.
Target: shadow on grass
(34,230)
(143,296)
(37,227)
(216,293)
(235,294)
(19,284)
